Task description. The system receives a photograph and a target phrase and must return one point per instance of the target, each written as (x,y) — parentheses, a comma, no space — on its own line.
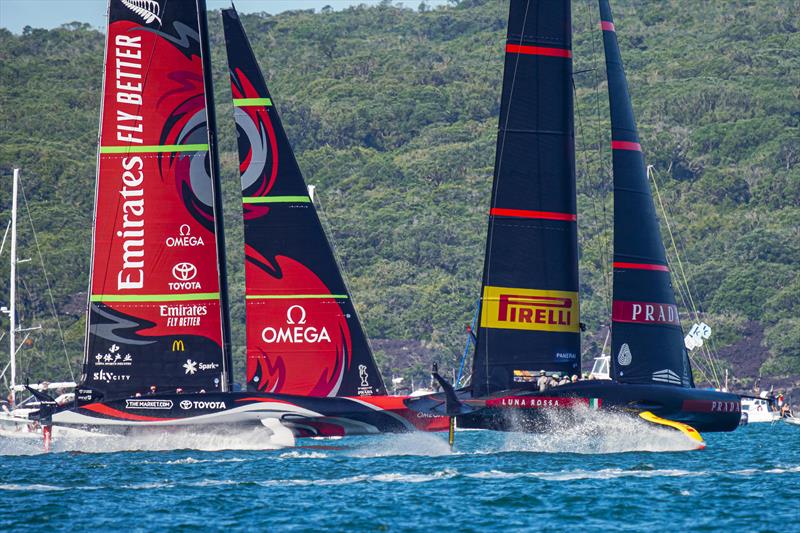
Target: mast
(216,190)
(303,333)
(12,306)
(646,339)
(529,314)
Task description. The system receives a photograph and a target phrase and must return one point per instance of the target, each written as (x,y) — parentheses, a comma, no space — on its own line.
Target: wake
(145,439)
(585,431)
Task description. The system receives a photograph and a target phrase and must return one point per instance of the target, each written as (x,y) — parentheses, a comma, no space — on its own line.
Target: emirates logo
(149,10)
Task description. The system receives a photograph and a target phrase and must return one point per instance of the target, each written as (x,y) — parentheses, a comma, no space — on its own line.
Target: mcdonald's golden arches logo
(178,345)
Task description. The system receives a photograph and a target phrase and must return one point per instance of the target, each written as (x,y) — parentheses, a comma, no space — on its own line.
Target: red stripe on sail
(524,213)
(538,50)
(109,411)
(607,26)
(641,266)
(626,145)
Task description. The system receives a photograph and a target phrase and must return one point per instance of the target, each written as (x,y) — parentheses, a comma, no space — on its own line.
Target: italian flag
(594,403)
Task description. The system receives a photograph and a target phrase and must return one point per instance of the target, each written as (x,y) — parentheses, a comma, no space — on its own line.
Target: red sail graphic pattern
(155,312)
(303,334)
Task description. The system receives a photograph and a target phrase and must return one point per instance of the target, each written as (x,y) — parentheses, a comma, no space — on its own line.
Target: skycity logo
(295,332)
(531,309)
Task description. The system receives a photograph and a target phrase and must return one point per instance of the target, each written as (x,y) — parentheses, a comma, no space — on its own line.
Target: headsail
(155,316)
(303,334)
(529,310)
(647,342)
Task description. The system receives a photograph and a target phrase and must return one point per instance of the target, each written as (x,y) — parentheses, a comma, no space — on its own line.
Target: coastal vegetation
(393,112)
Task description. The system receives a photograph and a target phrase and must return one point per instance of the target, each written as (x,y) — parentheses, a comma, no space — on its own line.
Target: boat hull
(704,410)
(305,416)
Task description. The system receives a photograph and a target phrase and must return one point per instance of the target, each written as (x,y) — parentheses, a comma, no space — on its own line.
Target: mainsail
(303,334)
(647,342)
(157,313)
(529,311)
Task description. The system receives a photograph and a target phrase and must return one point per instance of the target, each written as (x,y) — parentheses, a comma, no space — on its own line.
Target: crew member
(542,382)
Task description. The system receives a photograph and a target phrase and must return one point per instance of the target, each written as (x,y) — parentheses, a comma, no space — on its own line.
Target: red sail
(154,313)
(303,334)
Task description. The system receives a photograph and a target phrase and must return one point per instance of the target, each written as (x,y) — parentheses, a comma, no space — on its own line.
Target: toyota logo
(186,404)
(184,271)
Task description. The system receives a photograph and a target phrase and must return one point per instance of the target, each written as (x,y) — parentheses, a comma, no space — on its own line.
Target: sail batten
(529,316)
(304,336)
(646,338)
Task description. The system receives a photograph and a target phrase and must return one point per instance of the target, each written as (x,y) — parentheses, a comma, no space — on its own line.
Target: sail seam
(154,148)
(525,213)
(154,297)
(275,199)
(291,296)
(641,266)
(244,102)
(538,50)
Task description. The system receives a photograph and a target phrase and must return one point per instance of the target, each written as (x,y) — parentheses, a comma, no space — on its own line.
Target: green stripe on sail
(131,149)
(276,199)
(293,296)
(243,102)
(154,297)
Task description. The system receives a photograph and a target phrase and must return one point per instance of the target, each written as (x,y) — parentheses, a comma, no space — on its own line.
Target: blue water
(748,480)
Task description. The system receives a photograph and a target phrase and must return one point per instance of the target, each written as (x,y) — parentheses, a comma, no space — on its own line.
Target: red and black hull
(305,416)
(525,410)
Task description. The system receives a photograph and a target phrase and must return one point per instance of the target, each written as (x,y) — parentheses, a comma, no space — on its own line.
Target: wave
(303,455)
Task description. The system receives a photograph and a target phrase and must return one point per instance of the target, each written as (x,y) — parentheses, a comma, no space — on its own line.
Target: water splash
(420,444)
(586,431)
(148,439)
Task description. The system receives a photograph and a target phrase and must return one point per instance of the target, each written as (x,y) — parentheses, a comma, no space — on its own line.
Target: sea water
(617,475)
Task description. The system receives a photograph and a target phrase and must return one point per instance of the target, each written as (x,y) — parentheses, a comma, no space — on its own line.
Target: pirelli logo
(531,309)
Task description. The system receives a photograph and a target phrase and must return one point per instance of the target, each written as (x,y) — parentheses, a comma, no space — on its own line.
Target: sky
(16,14)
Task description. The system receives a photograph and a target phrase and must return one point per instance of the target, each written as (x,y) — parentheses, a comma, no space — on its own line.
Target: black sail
(529,302)
(647,341)
(303,334)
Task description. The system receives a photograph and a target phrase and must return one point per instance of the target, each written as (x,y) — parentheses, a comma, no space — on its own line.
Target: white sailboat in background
(14,422)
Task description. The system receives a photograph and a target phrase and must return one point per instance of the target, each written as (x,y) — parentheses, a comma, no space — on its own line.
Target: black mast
(216,190)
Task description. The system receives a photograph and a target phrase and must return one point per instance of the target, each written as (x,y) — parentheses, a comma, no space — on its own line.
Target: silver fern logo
(149,10)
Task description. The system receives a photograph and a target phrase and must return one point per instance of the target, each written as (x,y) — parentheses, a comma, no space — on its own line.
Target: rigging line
(47,281)
(3,245)
(496,184)
(652,175)
(604,170)
(595,216)
(326,229)
(698,363)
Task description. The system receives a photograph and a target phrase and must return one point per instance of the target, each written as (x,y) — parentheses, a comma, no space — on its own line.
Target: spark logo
(530,309)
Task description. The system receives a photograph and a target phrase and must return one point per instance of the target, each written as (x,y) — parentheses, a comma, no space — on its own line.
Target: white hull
(758,411)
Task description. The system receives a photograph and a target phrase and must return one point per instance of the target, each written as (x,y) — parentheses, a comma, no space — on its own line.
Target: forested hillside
(393,113)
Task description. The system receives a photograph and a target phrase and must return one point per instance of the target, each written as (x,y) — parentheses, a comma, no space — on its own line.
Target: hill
(393,114)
